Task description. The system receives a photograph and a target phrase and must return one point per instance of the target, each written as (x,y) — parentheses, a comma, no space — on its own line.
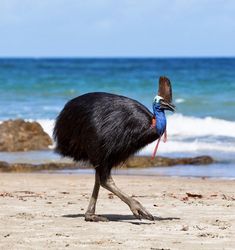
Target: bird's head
(164,97)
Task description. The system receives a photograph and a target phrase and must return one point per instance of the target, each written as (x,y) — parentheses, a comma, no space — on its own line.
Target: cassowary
(105,129)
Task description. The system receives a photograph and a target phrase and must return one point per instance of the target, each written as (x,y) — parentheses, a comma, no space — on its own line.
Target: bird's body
(105,129)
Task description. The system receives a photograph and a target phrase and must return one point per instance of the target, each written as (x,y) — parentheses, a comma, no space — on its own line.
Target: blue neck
(160,119)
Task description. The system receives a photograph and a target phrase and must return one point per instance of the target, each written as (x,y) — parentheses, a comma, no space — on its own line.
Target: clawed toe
(95,218)
(140,212)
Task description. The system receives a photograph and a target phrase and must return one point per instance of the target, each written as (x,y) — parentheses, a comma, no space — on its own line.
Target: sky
(117,28)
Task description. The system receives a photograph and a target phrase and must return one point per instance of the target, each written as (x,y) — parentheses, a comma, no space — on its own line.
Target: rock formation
(19,135)
(134,162)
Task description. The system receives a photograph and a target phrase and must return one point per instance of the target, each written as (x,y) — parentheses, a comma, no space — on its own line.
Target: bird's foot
(139,211)
(95,218)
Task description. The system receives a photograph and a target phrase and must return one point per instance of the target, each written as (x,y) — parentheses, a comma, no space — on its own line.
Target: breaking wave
(187,135)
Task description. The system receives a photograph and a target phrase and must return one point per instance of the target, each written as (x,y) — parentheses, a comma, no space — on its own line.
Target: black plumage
(105,129)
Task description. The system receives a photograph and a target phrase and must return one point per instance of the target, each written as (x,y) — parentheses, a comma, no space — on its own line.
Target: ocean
(203,92)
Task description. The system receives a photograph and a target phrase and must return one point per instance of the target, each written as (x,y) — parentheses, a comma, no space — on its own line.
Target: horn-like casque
(164,89)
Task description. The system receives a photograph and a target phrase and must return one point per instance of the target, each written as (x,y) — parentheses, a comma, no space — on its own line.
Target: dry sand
(45,211)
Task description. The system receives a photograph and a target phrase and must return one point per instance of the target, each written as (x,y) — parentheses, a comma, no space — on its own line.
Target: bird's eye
(157,99)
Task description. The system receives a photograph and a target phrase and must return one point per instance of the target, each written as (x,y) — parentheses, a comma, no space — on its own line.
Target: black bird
(105,129)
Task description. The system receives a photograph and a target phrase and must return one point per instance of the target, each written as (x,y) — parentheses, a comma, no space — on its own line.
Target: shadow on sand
(128,218)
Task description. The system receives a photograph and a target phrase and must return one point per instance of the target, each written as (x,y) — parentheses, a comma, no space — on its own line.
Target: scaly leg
(137,209)
(90,213)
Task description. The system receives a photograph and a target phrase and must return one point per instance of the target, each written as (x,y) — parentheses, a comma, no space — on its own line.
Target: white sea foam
(47,125)
(179,125)
(186,134)
(191,134)
(195,146)
(179,100)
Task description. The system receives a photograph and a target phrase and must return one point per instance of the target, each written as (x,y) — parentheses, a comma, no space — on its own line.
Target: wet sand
(45,211)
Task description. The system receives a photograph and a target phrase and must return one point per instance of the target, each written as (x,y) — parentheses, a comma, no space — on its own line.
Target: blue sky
(117,28)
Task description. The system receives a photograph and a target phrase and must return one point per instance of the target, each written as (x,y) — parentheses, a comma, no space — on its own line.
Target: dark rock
(18,135)
(135,162)
(27,167)
(145,161)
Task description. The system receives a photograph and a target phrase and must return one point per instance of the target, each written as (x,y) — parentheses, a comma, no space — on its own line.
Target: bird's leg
(137,209)
(90,213)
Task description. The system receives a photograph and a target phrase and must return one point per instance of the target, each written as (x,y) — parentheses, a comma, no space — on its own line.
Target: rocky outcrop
(139,162)
(19,135)
(27,167)
(135,162)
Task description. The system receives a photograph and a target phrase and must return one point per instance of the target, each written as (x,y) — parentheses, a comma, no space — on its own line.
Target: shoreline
(127,172)
(194,167)
(46,211)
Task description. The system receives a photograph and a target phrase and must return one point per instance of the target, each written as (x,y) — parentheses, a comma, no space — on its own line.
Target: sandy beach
(45,211)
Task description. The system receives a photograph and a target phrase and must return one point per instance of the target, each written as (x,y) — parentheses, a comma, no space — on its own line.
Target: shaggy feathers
(104,129)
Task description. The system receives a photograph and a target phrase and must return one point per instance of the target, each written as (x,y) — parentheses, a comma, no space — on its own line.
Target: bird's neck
(160,119)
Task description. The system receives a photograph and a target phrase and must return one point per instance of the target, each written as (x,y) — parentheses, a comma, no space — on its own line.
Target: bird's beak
(167,106)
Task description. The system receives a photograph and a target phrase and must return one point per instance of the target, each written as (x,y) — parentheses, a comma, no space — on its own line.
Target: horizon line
(116,57)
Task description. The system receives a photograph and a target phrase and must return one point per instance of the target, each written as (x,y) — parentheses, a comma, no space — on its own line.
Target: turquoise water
(38,88)
(203,91)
